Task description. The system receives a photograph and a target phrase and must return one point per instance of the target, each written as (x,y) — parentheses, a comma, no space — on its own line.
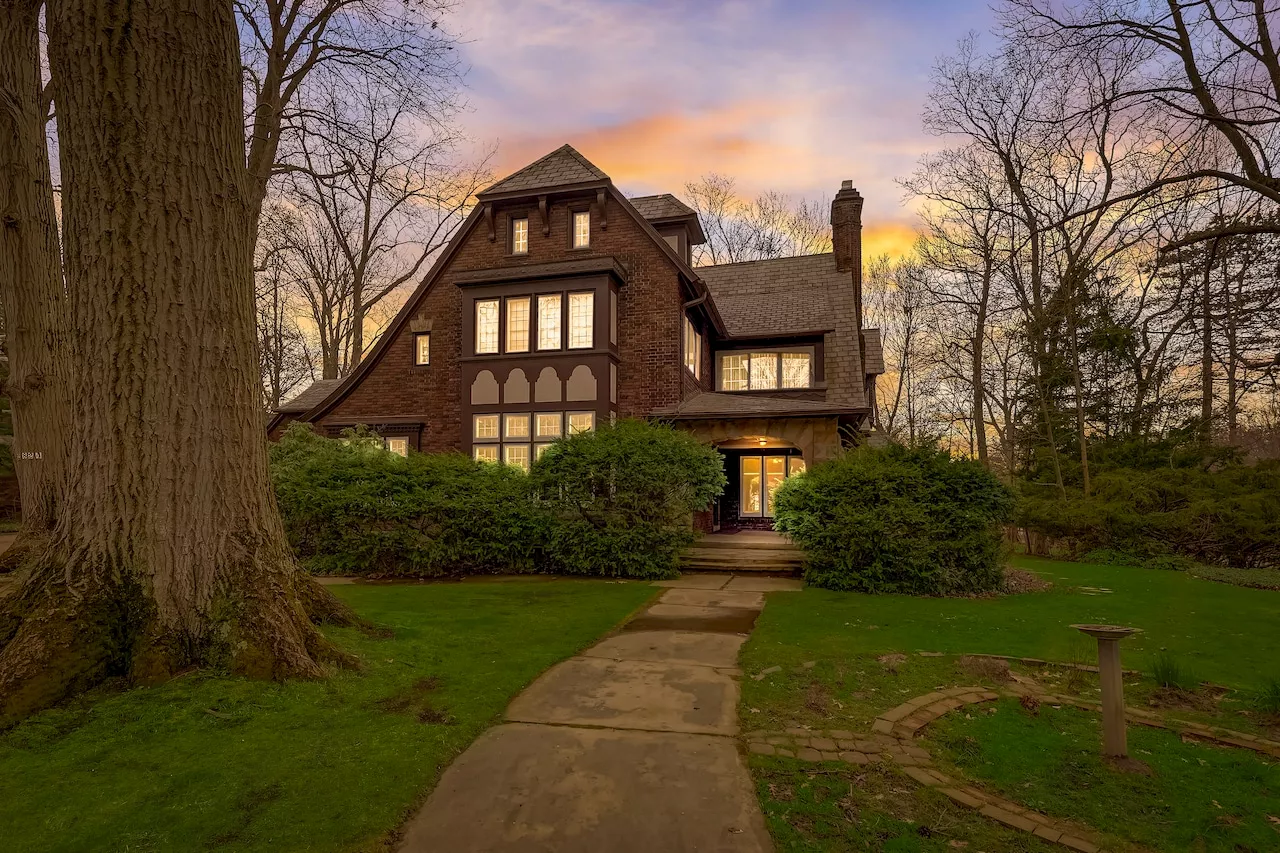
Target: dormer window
(581,229)
(520,235)
(765,371)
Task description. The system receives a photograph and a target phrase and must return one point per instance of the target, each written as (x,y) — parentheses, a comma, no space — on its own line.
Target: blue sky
(793,96)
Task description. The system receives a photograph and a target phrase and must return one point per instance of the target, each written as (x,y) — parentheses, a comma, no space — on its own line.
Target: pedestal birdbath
(1114,741)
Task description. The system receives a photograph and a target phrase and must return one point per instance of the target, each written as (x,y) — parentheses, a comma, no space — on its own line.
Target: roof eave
(486,196)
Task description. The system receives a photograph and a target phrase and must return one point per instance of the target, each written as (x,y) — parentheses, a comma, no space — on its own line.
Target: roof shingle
(712,404)
(562,166)
(664,206)
(316,392)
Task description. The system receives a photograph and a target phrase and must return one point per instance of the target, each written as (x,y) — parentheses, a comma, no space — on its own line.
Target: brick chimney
(846,243)
(846,229)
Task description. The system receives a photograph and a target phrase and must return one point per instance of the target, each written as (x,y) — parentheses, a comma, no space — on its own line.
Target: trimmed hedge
(614,502)
(897,519)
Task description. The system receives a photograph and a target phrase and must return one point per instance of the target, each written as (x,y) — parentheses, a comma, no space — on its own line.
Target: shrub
(897,520)
(350,507)
(620,499)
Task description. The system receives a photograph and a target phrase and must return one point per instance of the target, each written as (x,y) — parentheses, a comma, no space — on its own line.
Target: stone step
(796,556)
(745,541)
(688,563)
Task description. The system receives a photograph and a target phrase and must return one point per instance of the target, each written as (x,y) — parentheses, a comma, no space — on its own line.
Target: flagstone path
(630,746)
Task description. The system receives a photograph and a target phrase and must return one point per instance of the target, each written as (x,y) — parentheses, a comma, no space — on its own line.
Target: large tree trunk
(30,276)
(169,552)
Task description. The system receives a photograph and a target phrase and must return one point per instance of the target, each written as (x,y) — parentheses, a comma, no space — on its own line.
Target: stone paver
(628,694)
(688,617)
(686,647)
(697,581)
(714,598)
(544,788)
(749,584)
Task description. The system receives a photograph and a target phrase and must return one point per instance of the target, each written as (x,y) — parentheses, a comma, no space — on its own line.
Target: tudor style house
(560,303)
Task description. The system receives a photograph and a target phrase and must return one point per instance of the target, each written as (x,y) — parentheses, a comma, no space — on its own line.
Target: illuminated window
(485,452)
(422,348)
(581,422)
(692,349)
(549,321)
(398,446)
(548,425)
(517,455)
(795,370)
(486,325)
(517,426)
(520,236)
(733,373)
(581,229)
(759,371)
(485,427)
(581,320)
(518,324)
(539,449)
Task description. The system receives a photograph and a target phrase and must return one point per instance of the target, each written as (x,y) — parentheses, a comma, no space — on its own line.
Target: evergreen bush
(896,519)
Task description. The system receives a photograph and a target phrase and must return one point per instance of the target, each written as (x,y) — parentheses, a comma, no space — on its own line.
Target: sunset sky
(793,96)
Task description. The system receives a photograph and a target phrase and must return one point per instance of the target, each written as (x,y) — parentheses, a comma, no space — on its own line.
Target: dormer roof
(562,167)
(665,208)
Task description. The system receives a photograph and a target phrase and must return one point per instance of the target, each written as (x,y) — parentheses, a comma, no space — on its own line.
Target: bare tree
(773,225)
(389,192)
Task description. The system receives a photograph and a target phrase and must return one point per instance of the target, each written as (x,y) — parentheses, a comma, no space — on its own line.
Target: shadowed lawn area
(208,762)
(1198,797)
(1221,633)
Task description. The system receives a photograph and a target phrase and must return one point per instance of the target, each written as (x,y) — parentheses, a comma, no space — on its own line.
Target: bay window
(549,321)
(518,324)
(582,320)
(486,325)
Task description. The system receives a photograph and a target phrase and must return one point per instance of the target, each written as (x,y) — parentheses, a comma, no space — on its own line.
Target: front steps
(745,551)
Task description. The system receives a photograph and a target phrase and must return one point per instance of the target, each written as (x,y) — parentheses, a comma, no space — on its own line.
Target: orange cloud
(894,239)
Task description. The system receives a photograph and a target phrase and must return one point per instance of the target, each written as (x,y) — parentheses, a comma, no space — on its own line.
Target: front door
(761,476)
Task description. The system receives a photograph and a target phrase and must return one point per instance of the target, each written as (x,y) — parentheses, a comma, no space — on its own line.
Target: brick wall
(649,327)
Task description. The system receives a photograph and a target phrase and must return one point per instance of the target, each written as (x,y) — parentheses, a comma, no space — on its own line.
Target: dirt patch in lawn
(996,669)
(415,700)
(1016,582)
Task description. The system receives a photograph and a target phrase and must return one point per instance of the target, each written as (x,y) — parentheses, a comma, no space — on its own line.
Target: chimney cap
(846,185)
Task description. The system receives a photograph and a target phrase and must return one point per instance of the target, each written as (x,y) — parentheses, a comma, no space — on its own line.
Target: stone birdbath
(1114,740)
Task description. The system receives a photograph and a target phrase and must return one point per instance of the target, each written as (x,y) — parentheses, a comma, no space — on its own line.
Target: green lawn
(210,762)
(1222,633)
(1199,797)
(828,647)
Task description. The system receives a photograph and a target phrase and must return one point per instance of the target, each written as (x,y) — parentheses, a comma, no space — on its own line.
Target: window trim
(418,338)
(485,439)
(512,219)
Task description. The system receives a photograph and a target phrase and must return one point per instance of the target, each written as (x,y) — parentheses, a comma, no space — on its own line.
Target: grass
(1199,797)
(1256,578)
(832,807)
(209,761)
(1225,634)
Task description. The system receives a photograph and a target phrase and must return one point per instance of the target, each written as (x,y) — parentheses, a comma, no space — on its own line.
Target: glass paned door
(761,476)
(752,491)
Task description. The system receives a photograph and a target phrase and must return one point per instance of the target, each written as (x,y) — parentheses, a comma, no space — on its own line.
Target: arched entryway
(755,466)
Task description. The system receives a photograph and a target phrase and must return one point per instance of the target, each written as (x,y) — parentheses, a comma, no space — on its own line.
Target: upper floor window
(581,229)
(422,348)
(692,349)
(486,325)
(518,324)
(756,371)
(520,235)
(549,321)
(582,320)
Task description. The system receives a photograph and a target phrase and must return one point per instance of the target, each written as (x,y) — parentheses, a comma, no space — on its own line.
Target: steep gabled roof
(314,393)
(561,167)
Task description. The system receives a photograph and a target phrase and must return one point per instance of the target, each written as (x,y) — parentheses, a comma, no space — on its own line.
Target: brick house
(560,303)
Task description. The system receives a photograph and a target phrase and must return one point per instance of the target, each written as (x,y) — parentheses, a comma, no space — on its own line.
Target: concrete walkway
(630,746)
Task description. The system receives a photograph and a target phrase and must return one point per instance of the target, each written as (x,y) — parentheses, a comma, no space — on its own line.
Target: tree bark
(30,277)
(169,552)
